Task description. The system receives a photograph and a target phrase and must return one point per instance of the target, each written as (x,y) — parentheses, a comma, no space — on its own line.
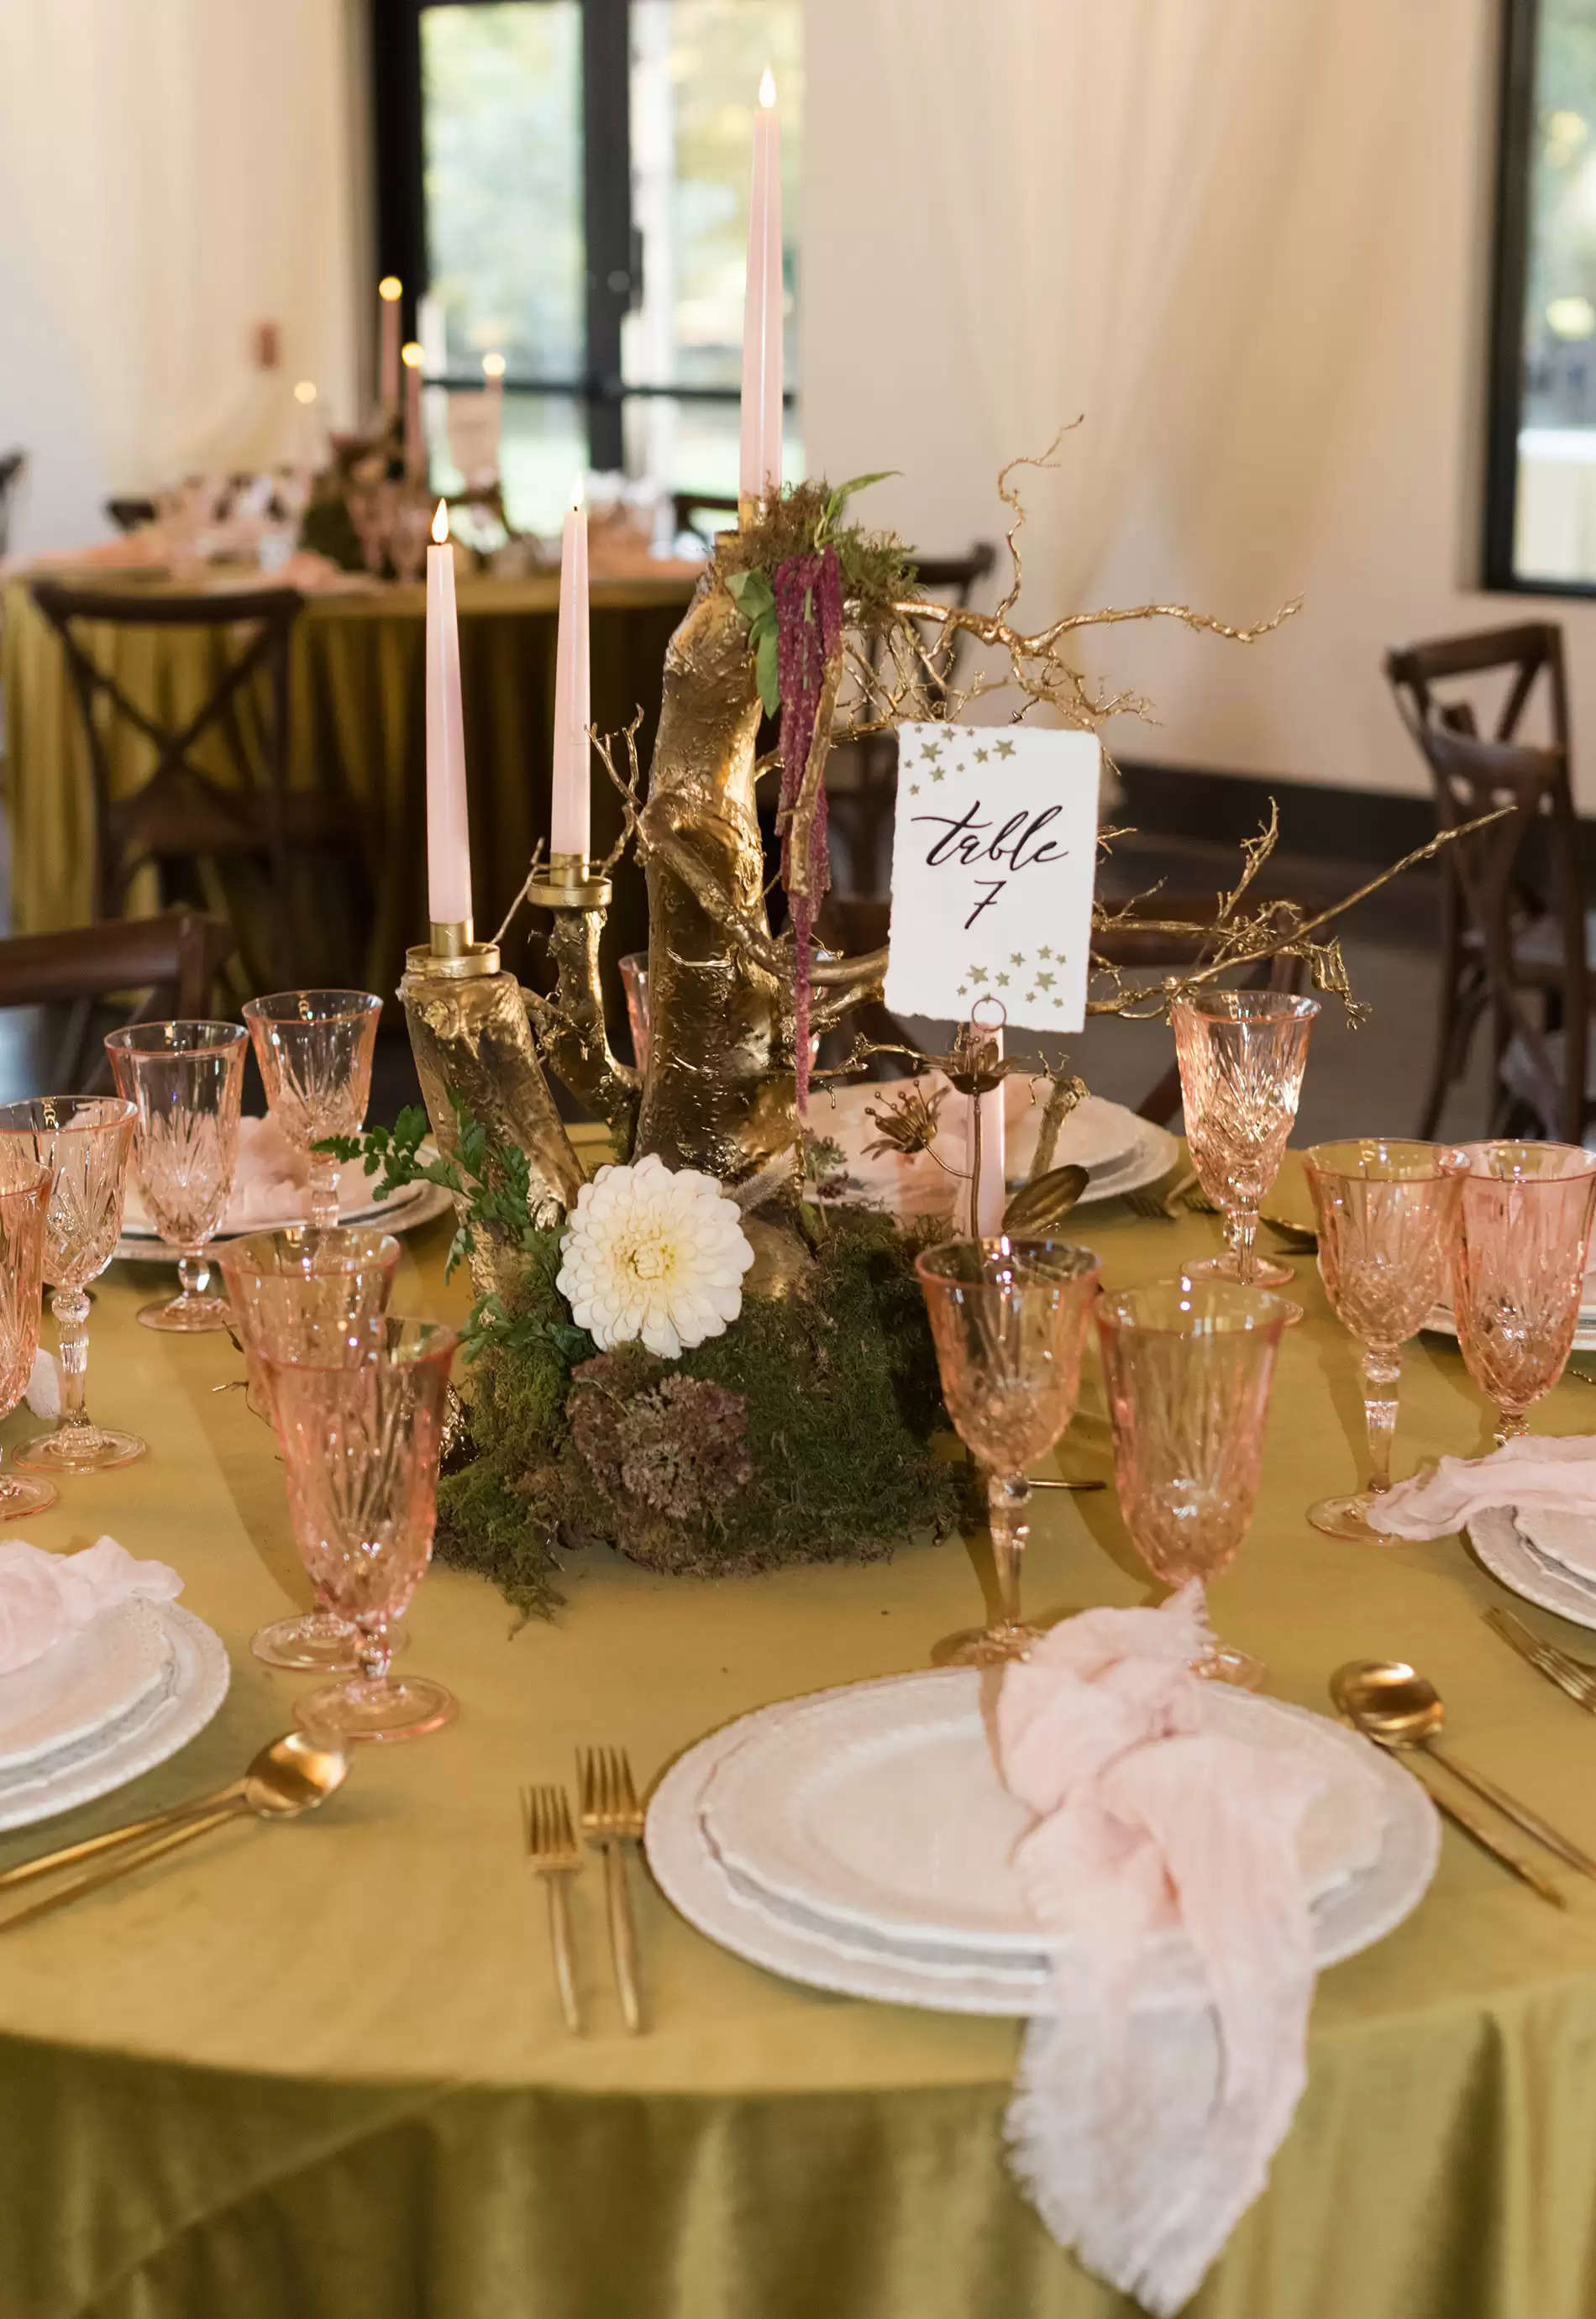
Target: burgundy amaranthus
(809,592)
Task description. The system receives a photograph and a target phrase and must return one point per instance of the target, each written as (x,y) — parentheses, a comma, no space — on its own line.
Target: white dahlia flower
(655,1254)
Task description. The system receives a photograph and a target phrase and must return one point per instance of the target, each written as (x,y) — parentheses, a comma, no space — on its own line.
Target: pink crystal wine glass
(86,1140)
(1008,1318)
(292,1294)
(360,1426)
(24,1218)
(1519,1250)
(1189,1365)
(314,1048)
(1385,1211)
(1241,1055)
(185,1081)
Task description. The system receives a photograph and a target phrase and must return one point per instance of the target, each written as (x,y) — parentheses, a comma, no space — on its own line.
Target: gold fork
(1574,1676)
(1164,1207)
(611,1818)
(551,1847)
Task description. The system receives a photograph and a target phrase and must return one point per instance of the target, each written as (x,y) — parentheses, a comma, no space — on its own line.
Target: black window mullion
(396,86)
(1516,132)
(607,195)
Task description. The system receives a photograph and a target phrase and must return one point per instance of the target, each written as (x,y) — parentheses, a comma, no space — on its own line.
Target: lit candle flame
(767,89)
(390,288)
(410,356)
(305,392)
(492,365)
(440,524)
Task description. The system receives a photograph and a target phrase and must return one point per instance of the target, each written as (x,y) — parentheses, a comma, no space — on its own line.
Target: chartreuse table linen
(319,2070)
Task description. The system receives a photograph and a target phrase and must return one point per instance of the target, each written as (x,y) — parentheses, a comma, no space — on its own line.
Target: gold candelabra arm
(571,1026)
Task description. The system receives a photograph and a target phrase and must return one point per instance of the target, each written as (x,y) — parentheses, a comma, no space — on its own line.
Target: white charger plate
(1150,1158)
(1508,1556)
(848,1959)
(1440,1324)
(90,1682)
(411,1205)
(165,1719)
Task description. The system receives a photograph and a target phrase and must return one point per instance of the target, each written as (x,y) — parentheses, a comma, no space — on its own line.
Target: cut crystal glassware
(24,1217)
(1385,1211)
(292,1294)
(185,1081)
(314,1048)
(1008,1318)
(360,1426)
(1518,1251)
(1189,1365)
(1241,1055)
(86,1140)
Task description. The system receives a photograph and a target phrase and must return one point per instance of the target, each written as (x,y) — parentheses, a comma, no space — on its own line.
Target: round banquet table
(356,730)
(320,2070)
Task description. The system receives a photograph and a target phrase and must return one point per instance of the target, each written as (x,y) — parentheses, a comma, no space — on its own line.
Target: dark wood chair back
(692,506)
(222,820)
(102,978)
(130,514)
(12,467)
(1513,933)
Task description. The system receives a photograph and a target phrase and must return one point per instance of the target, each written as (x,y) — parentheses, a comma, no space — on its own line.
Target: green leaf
(843,494)
(766,669)
(753,595)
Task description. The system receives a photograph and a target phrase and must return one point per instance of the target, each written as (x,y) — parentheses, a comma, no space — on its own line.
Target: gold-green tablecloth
(318,2071)
(357,729)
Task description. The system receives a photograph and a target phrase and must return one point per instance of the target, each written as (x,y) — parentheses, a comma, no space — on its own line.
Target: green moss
(877,568)
(840,1394)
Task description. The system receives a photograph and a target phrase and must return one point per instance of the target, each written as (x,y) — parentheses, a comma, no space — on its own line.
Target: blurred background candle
(389,291)
(569,819)
(415,465)
(760,461)
(449,836)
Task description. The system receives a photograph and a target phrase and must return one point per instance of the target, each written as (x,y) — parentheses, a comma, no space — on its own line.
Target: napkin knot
(46,1597)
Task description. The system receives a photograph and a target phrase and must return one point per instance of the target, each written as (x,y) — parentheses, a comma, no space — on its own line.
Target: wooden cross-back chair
(105,977)
(1516,937)
(228,821)
(12,467)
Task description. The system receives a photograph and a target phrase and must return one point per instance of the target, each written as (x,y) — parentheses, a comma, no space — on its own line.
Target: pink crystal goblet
(1385,1210)
(1189,1365)
(1008,1318)
(314,1048)
(1241,1055)
(24,1219)
(185,1081)
(1519,1243)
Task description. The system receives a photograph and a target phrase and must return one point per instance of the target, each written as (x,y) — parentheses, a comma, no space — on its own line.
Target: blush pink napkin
(270,1184)
(1556,1474)
(46,1597)
(1143,2125)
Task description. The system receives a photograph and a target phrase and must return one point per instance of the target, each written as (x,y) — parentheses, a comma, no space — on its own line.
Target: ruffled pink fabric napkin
(46,1597)
(1144,2118)
(270,1184)
(1557,1474)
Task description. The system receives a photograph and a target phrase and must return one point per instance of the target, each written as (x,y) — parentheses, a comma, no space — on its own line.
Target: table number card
(994,851)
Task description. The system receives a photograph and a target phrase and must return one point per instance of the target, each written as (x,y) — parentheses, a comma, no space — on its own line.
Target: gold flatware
(1297,1240)
(551,1847)
(611,1818)
(1047,1482)
(1396,1707)
(314,1772)
(1165,1207)
(289,1775)
(1559,1666)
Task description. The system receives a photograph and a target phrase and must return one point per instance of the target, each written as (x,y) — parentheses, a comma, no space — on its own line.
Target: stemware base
(1348,1517)
(989,1645)
(1239,1669)
(380,1710)
(79,1450)
(186,1314)
(1266,1272)
(314,1643)
(19,1499)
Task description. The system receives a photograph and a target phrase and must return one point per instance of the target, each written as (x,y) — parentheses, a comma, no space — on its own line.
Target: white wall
(171,172)
(1306,415)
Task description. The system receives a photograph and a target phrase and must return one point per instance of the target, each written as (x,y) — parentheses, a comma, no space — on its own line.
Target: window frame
(1520,36)
(612,245)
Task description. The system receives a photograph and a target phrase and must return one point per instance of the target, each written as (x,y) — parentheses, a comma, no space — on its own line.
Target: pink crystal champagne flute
(361,1427)
(1008,1318)
(185,1081)
(1386,1211)
(1519,1245)
(86,1140)
(24,1219)
(315,1049)
(1189,1365)
(294,1294)
(1241,1055)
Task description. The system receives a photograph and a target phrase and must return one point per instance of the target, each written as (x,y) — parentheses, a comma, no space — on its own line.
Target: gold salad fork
(551,1847)
(1572,1676)
(611,1818)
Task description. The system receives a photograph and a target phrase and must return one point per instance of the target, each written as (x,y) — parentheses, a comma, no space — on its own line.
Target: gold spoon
(290,1775)
(1399,1708)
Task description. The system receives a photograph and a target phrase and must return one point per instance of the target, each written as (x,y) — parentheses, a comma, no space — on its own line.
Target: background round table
(317,2072)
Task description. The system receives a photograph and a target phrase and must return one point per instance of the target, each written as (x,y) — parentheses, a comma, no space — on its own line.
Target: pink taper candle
(570,829)
(387,297)
(448,836)
(760,463)
(415,456)
(991,1192)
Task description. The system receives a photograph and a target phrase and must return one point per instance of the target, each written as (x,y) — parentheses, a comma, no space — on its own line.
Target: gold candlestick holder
(570,883)
(451,951)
